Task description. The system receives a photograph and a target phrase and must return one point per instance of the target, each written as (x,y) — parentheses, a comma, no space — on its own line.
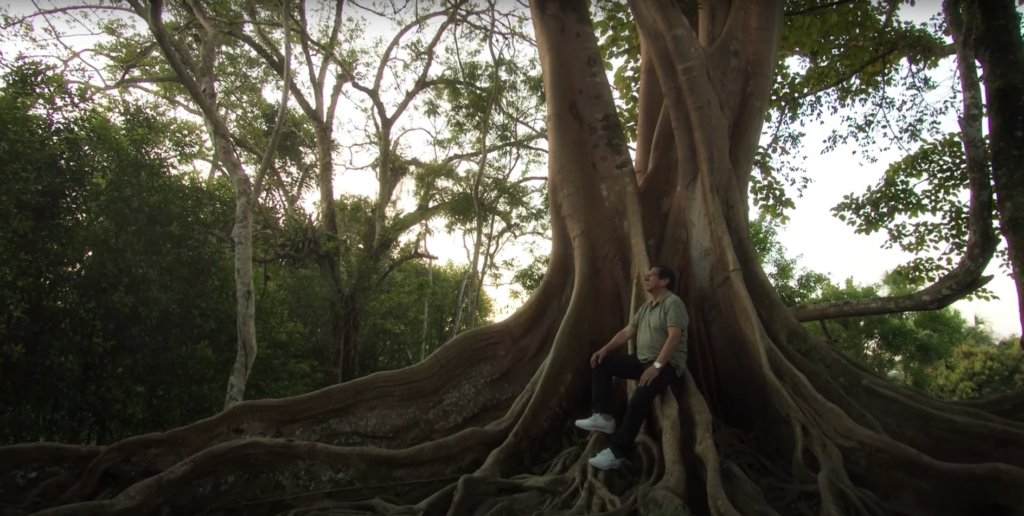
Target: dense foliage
(938,351)
(118,310)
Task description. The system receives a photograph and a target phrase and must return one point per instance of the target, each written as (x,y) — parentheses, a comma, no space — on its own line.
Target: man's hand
(597,357)
(649,375)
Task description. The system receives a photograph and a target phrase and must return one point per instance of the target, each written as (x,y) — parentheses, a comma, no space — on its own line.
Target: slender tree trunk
(459,304)
(478,207)
(325,176)
(426,302)
(474,270)
(474,302)
(339,306)
(245,300)
(488,256)
(214,160)
(350,367)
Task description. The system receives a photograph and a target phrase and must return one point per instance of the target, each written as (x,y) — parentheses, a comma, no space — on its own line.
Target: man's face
(651,280)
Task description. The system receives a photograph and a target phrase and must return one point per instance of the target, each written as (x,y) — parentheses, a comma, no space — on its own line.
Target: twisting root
(471,490)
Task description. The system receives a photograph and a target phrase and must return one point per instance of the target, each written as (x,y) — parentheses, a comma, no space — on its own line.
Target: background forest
(118,262)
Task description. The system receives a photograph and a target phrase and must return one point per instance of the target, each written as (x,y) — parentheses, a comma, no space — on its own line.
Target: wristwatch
(657,365)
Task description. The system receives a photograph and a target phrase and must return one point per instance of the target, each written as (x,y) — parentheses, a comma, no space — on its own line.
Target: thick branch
(421,81)
(924,300)
(64,10)
(981,242)
(753,31)
(307,55)
(812,9)
(276,64)
(275,137)
(338,82)
(712,16)
(332,41)
(142,80)
(386,58)
(416,255)
(999,48)
(842,79)
(180,69)
(504,145)
(649,108)
(403,223)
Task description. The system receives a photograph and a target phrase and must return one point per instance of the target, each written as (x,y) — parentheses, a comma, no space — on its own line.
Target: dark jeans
(627,366)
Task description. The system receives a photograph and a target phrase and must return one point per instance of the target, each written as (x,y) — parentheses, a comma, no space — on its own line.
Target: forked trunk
(798,428)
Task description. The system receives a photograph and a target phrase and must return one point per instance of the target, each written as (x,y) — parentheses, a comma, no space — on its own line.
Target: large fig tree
(770,419)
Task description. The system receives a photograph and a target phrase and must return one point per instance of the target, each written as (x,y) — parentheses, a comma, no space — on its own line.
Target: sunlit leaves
(979,368)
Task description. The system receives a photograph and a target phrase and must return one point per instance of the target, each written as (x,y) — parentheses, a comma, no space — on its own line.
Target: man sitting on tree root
(660,330)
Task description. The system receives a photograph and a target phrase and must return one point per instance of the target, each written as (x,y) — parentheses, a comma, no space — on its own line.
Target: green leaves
(921,206)
(937,351)
(114,293)
(619,42)
(794,284)
(979,368)
(901,346)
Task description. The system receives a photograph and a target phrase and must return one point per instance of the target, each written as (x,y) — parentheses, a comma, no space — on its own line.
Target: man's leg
(612,366)
(638,410)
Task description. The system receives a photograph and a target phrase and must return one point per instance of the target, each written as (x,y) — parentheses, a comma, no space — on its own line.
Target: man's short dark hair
(667,273)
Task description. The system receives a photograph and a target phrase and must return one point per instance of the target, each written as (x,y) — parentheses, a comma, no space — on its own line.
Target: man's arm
(674,334)
(678,319)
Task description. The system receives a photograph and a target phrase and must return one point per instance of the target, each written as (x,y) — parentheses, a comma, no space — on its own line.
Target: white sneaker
(605,460)
(596,423)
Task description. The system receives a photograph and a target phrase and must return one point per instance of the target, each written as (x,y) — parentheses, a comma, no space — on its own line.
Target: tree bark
(996,31)
(426,300)
(460,299)
(488,256)
(345,323)
(245,299)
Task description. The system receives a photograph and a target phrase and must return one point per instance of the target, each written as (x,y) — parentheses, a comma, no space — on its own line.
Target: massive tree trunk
(769,420)
(995,27)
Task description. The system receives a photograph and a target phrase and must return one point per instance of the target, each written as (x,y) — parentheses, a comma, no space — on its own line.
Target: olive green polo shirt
(652,322)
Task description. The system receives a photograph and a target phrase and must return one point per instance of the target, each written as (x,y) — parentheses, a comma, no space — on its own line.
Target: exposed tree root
(478,374)
(40,467)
